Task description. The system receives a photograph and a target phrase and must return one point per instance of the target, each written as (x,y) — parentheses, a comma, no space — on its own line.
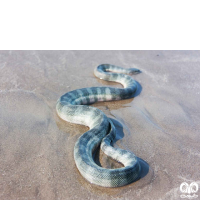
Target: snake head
(134,71)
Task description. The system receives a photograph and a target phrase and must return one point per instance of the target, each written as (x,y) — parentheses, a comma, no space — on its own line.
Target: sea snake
(73,107)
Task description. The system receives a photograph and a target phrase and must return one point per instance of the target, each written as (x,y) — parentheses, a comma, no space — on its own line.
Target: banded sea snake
(72,107)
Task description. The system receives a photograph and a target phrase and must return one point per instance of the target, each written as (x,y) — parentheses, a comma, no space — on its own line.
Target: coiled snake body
(72,107)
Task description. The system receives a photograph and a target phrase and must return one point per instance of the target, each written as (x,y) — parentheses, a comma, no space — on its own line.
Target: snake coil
(72,107)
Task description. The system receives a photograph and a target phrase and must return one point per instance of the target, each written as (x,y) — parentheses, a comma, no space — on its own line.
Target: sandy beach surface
(161,124)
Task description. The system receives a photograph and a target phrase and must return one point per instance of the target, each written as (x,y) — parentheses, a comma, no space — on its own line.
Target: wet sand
(160,124)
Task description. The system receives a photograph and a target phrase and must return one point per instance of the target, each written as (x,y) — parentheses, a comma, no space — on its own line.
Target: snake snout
(134,71)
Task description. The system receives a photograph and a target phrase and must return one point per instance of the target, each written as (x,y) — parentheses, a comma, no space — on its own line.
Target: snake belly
(73,107)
